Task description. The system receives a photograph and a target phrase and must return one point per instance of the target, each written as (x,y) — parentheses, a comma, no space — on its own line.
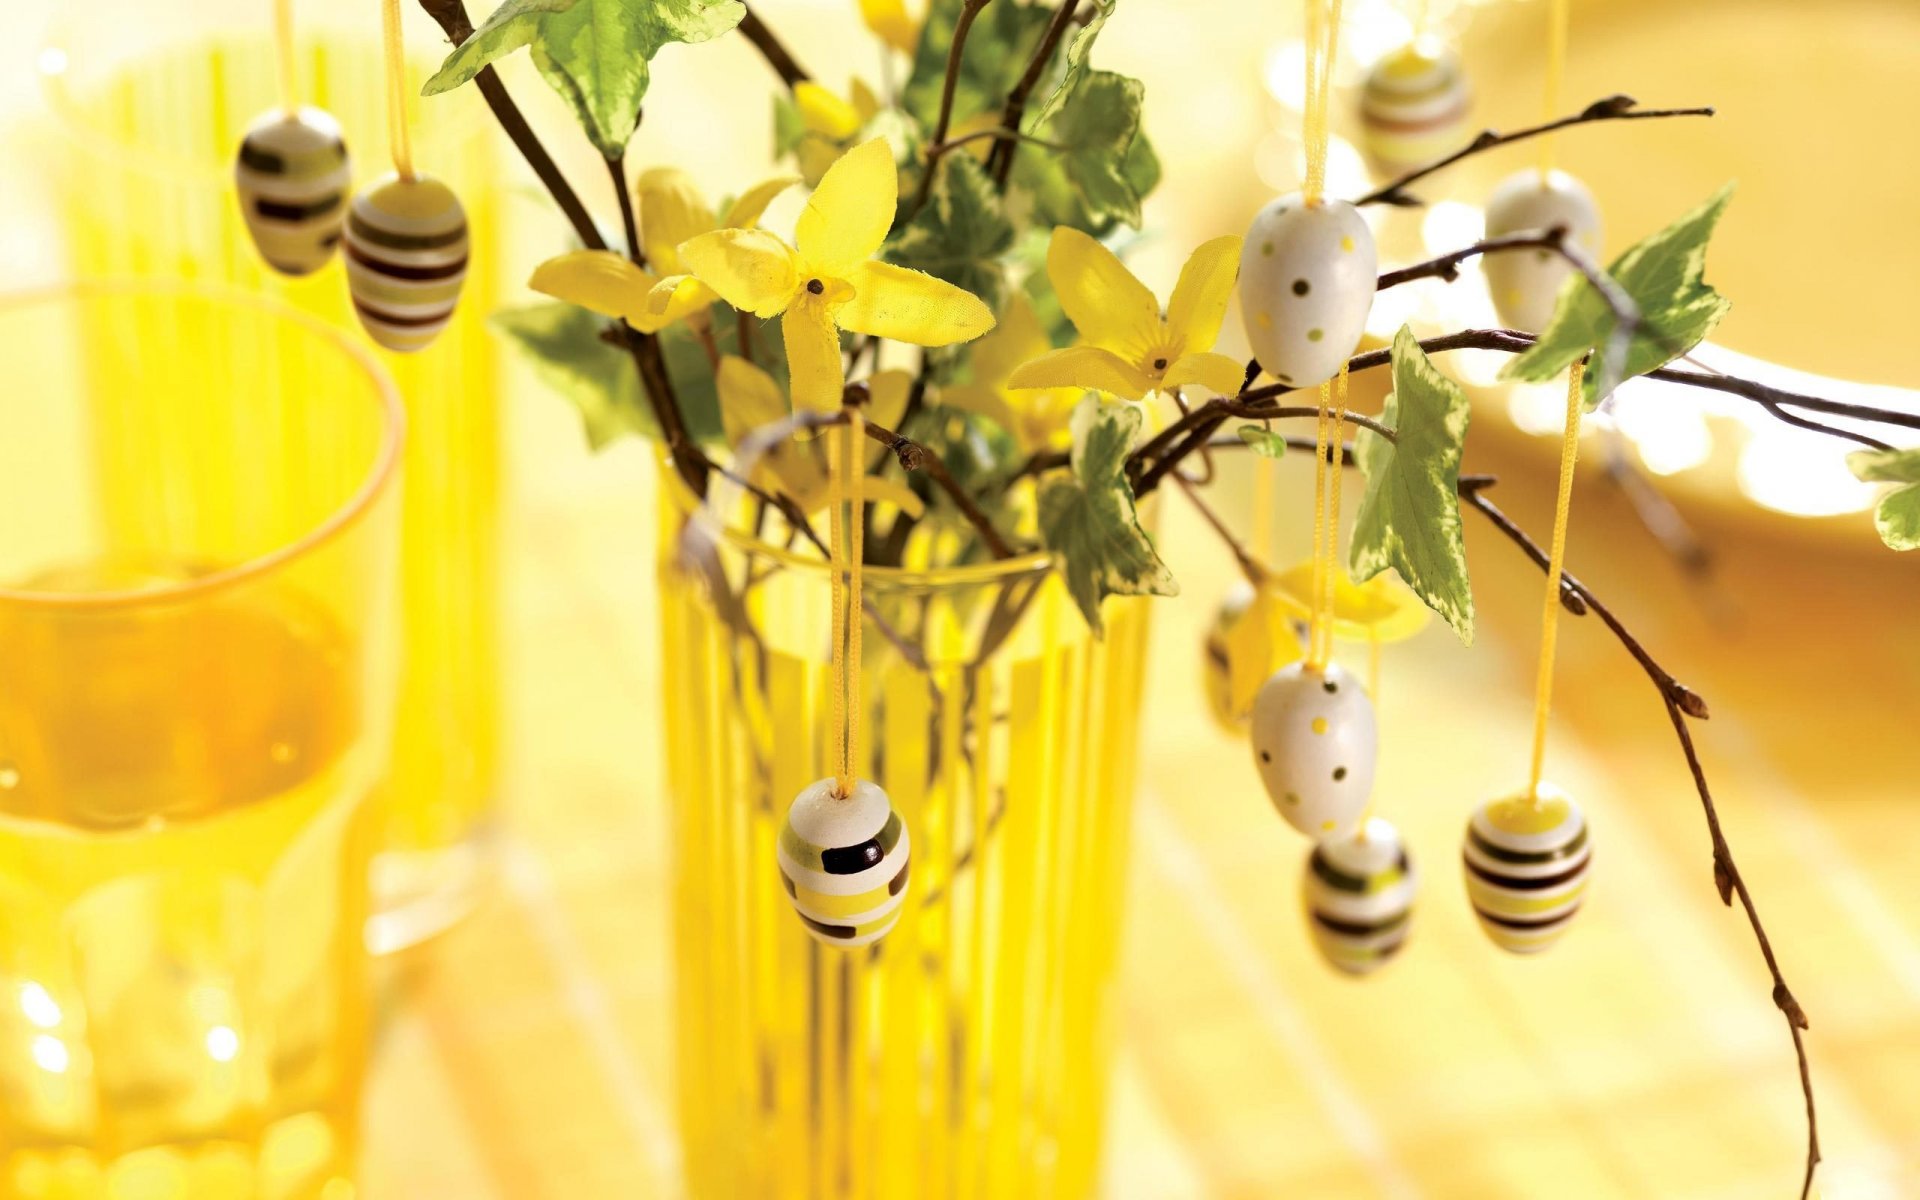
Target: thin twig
(1612,108)
(1000,160)
(772,49)
(937,143)
(1249,566)
(617,168)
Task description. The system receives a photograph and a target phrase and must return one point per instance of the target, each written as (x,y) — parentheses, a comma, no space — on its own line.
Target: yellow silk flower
(1129,347)
(829,124)
(750,399)
(1381,609)
(1037,418)
(890,23)
(826,282)
(671,212)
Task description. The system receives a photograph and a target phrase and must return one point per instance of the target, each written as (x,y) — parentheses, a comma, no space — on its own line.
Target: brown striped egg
(406,247)
(1525,284)
(1307,278)
(1414,105)
(1526,861)
(1314,742)
(843,861)
(1358,893)
(292,176)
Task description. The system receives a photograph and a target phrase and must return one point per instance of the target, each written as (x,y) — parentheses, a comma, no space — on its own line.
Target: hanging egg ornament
(406,248)
(843,861)
(293,177)
(1314,742)
(1358,893)
(1216,661)
(1525,284)
(1526,868)
(1414,105)
(1307,277)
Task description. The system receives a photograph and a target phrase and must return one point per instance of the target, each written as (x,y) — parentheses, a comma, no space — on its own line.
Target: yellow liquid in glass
(150,193)
(182,867)
(964,1054)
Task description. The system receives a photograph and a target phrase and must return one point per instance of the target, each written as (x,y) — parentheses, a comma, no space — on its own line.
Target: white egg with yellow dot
(1314,741)
(1526,860)
(1525,284)
(843,861)
(1307,278)
(1358,894)
(1216,656)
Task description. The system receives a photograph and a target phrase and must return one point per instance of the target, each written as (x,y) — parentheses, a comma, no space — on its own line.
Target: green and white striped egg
(1358,892)
(1525,284)
(1526,864)
(406,247)
(292,175)
(1314,742)
(1414,105)
(1307,278)
(843,861)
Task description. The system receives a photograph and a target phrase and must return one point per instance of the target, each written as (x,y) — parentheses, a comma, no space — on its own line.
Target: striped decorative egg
(1414,106)
(1526,868)
(292,175)
(1216,678)
(406,259)
(1525,284)
(1307,278)
(843,861)
(1314,742)
(1358,893)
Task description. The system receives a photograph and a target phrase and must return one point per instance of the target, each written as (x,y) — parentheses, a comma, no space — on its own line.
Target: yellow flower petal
(911,306)
(1109,307)
(848,215)
(1084,367)
(749,268)
(745,212)
(814,367)
(887,393)
(1215,371)
(889,21)
(1381,608)
(750,399)
(599,280)
(817,155)
(982,400)
(671,212)
(866,105)
(1199,300)
(1019,337)
(879,489)
(1259,642)
(824,113)
(670,300)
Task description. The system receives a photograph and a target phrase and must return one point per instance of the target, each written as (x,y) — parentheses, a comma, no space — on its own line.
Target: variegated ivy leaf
(1263,441)
(1664,273)
(595,53)
(1002,37)
(1093,135)
(1897,516)
(1087,517)
(1078,50)
(1409,518)
(962,232)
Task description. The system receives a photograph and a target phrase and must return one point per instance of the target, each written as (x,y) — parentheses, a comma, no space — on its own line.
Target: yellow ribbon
(1556,560)
(283,46)
(396,53)
(1323,41)
(1557,21)
(1327,473)
(847,552)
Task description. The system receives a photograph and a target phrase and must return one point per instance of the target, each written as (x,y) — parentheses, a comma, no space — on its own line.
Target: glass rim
(55,58)
(999,570)
(349,513)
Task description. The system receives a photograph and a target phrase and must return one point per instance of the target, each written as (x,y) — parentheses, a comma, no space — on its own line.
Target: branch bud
(1784,1001)
(1723,879)
(1689,701)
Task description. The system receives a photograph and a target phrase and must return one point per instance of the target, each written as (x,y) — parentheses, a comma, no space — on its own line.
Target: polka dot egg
(1414,105)
(1314,742)
(843,861)
(1358,892)
(292,175)
(1217,676)
(1526,865)
(406,259)
(1307,277)
(1525,284)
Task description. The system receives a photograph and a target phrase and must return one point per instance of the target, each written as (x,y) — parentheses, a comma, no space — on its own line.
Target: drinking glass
(152,100)
(196,686)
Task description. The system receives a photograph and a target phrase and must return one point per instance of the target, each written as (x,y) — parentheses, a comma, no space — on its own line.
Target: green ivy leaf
(1095,130)
(961,233)
(1664,273)
(1087,518)
(595,53)
(1409,518)
(1078,51)
(998,45)
(1263,441)
(1898,515)
(562,342)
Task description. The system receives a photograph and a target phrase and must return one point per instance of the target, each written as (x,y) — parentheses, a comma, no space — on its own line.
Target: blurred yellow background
(526,1056)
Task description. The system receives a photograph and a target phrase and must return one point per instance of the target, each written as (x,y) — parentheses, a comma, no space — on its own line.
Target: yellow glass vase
(152,103)
(196,686)
(965,1053)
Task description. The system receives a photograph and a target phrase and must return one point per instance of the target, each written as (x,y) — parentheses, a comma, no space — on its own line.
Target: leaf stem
(1000,160)
(772,49)
(938,146)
